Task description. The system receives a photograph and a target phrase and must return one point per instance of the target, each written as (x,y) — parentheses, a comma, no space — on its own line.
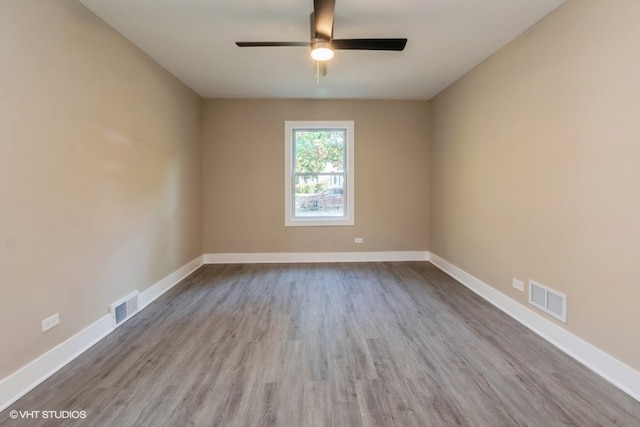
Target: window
(319,173)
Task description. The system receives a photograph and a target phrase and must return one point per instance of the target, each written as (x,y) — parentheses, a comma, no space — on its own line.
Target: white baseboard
(153,292)
(298,257)
(27,378)
(619,374)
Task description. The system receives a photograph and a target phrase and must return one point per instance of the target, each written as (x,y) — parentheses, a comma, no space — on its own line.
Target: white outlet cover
(358,240)
(50,322)
(518,284)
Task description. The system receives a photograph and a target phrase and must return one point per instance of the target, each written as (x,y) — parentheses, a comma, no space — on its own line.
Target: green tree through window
(315,150)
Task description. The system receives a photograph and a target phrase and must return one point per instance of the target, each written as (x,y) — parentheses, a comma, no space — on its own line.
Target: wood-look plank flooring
(377,344)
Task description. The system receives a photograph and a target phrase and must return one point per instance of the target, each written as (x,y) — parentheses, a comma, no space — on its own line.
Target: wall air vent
(548,300)
(124,308)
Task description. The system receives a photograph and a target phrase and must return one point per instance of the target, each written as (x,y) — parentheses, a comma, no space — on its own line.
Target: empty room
(319,213)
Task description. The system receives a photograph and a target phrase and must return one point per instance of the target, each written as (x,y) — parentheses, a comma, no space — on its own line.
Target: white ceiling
(195,41)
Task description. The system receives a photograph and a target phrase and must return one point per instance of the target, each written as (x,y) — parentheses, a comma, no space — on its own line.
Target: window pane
(319,150)
(319,173)
(319,195)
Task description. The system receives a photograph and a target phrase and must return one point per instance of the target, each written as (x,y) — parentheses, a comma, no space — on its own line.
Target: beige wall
(535,168)
(244,176)
(100,173)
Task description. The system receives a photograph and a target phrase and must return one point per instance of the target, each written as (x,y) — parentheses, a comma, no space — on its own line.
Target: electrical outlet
(50,322)
(358,240)
(519,285)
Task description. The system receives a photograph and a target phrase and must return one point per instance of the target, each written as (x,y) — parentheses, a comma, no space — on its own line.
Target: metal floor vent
(548,300)
(122,309)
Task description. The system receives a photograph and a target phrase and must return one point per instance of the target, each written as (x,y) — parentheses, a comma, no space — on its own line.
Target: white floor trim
(297,257)
(619,374)
(27,378)
(153,292)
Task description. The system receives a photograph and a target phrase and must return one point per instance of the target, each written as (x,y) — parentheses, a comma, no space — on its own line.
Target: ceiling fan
(322,42)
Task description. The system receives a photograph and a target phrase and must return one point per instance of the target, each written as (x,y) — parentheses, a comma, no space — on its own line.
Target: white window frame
(290,220)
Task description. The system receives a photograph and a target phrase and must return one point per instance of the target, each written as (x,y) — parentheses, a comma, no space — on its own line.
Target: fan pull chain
(320,70)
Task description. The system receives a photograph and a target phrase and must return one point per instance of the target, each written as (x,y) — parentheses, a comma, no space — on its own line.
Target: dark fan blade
(369,44)
(323,15)
(270,44)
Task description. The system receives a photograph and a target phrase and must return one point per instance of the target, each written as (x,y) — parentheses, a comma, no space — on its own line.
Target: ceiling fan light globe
(322,54)
(321,50)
